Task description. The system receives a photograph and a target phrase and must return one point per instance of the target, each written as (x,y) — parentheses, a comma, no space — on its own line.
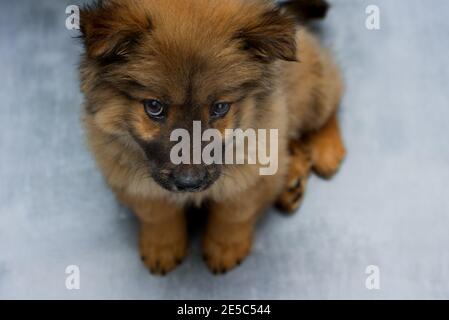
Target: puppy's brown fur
(190,53)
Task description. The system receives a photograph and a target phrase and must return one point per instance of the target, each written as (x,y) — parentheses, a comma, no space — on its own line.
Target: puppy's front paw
(162,257)
(222,256)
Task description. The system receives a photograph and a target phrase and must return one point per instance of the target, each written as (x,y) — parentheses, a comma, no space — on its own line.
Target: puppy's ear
(111,29)
(271,36)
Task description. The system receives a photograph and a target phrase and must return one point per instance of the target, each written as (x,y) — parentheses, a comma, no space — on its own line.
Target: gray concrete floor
(388,207)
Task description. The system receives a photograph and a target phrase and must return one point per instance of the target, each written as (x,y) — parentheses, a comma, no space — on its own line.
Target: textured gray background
(388,206)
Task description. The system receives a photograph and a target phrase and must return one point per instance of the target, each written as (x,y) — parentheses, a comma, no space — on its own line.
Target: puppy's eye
(220,109)
(154,108)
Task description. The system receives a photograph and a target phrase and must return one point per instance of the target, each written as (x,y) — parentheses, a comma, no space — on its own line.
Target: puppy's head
(155,66)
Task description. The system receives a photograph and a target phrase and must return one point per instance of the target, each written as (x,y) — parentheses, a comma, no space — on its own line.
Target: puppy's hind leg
(299,170)
(327,149)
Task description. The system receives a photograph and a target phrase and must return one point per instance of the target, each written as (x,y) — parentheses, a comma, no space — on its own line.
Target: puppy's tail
(306,10)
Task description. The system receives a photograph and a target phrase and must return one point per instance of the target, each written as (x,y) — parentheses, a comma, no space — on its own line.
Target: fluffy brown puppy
(153,66)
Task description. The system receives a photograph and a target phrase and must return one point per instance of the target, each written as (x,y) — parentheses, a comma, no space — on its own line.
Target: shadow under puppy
(152,67)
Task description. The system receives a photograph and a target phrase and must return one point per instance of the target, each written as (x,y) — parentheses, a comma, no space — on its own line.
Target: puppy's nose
(190,178)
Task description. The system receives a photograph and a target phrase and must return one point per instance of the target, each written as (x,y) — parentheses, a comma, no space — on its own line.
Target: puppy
(152,67)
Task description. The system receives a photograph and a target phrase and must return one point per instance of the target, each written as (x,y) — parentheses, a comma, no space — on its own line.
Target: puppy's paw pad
(160,259)
(222,257)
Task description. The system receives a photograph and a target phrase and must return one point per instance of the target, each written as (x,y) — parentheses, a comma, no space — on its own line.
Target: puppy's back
(306,10)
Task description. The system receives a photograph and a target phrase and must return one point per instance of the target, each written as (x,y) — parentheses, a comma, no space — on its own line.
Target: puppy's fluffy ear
(110,29)
(271,36)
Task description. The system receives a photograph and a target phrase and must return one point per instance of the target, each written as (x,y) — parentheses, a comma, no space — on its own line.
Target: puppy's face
(152,67)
